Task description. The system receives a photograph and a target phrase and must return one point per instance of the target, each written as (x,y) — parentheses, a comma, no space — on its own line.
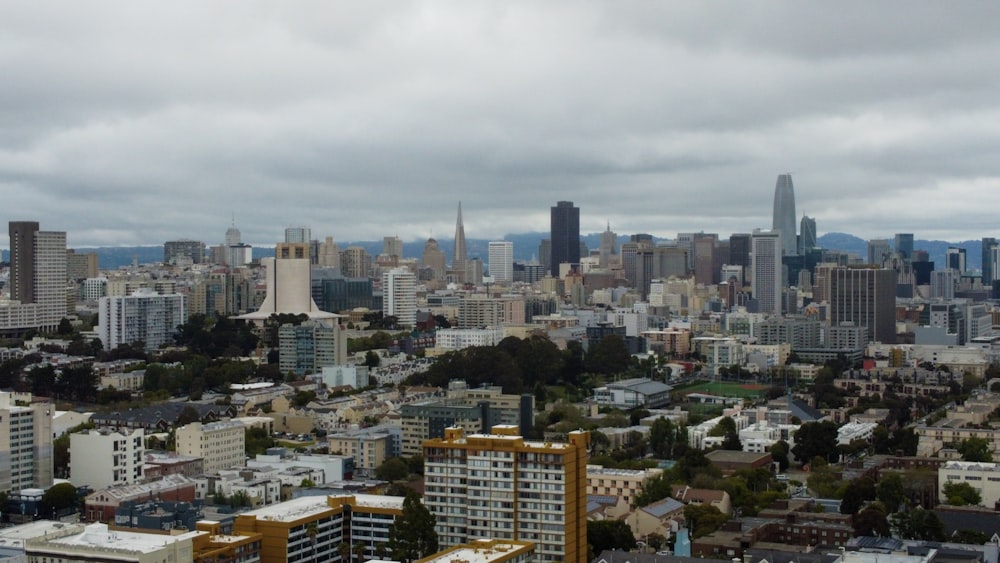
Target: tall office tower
(943,284)
(878,252)
(461,254)
(181,250)
(25,442)
(434,258)
(298,234)
(867,298)
(609,247)
(807,234)
(392,246)
(355,263)
(233,235)
(707,260)
(501,255)
(765,270)
(955,259)
(739,252)
(38,271)
(565,236)
(545,254)
(83,265)
(474,271)
(784,214)
(686,241)
(329,254)
(501,486)
(904,245)
(145,316)
(399,296)
(989,243)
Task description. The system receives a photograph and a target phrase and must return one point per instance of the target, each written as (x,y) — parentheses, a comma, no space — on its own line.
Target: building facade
(220,444)
(399,296)
(145,316)
(867,298)
(565,236)
(25,442)
(765,270)
(501,255)
(783,221)
(102,458)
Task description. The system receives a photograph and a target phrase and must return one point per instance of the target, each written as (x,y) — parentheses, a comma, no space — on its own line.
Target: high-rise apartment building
(501,486)
(355,263)
(765,270)
(175,251)
(807,234)
(311,346)
(565,236)
(783,221)
(145,316)
(38,274)
(501,256)
(25,442)
(80,265)
(399,296)
(392,246)
(867,298)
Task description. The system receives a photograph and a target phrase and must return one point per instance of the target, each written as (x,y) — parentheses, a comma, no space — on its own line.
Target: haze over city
(133,123)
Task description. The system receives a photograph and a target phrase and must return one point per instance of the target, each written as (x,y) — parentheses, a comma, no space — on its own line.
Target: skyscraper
(434,258)
(501,254)
(38,271)
(878,252)
(739,252)
(499,485)
(807,234)
(765,270)
(609,247)
(392,246)
(784,214)
(298,234)
(461,254)
(867,298)
(955,259)
(565,236)
(904,245)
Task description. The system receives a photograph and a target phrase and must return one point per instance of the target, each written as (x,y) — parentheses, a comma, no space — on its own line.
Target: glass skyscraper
(565,236)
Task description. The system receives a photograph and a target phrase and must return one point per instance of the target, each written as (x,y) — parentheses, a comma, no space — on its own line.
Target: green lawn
(725,389)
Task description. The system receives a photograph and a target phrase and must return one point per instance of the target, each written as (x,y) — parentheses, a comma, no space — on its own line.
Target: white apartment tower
(399,295)
(501,254)
(765,270)
(144,316)
(25,442)
(102,458)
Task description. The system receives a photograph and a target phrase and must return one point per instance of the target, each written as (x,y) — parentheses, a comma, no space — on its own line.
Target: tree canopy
(816,439)
(412,535)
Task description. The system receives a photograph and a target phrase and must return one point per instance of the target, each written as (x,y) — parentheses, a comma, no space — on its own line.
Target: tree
(975,449)
(609,534)
(855,494)
(609,356)
(779,452)
(59,497)
(871,522)
(372,359)
(412,535)
(918,524)
(704,519)
(392,469)
(65,327)
(816,439)
(961,494)
(890,491)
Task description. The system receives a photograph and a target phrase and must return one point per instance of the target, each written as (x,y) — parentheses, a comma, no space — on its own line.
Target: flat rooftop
(481,551)
(98,536)
(306,506)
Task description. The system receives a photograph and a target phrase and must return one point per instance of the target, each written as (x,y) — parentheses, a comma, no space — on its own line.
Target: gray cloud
(135,123)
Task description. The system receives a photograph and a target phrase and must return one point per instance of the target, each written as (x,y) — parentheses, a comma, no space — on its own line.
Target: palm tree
(312,530)
(359,551)
(344,549)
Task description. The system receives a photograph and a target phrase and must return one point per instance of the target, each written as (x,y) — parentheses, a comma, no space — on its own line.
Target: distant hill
(526,248)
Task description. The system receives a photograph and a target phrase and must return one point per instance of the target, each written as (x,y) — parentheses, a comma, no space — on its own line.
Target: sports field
(725,389)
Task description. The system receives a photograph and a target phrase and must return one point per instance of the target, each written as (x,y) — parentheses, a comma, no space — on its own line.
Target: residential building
(144,316)
(369,447)
(867,298)
(501,486)
(181,251)
(81,265)
(355,262)
(221,444)
(565,236)
(475,312)
(102,458)
(448,339)
(485,551)
(765,270)
(311,346)
(329,255)
(25,442)
(473,410)
(37,279)
(501,257)
(310,529)
(399,296)
(625,484)
(982,476)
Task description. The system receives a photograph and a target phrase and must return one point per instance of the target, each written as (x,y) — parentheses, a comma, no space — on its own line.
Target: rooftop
(98,536)
(306,506)
(481,551)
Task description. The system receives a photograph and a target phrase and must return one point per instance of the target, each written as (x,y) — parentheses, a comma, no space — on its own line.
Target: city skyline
(129,127)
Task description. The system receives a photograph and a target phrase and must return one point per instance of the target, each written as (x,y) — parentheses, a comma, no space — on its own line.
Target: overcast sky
(138,122)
